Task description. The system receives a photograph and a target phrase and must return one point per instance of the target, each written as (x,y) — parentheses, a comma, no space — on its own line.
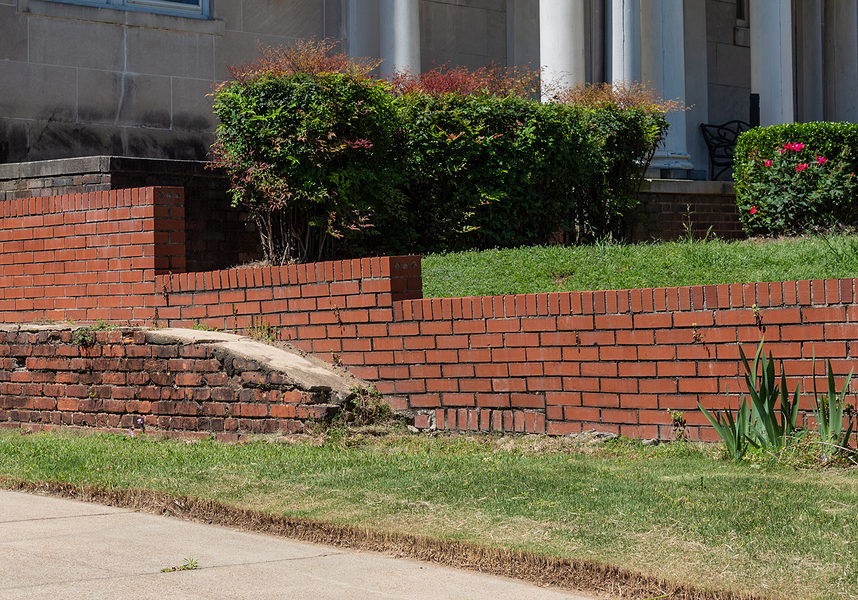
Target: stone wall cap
(54,168)
(307,372)
(82,165)
(686,186)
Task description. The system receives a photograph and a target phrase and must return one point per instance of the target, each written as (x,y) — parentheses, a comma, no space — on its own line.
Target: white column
(771,59)
(399,36)
(809,80)
(841,61)
(562,45)
(625,44)
(663,68)
(696,84)
(362,28)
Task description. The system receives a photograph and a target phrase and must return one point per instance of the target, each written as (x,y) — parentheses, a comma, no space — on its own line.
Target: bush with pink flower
(796,178)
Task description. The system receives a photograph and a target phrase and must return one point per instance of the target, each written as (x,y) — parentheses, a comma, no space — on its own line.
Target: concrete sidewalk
(58,548)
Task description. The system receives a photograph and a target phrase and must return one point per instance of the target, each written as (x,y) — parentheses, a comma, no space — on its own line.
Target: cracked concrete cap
(307,372)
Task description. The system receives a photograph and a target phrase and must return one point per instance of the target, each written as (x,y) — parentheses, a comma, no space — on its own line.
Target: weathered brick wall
(122,379)
(553,362)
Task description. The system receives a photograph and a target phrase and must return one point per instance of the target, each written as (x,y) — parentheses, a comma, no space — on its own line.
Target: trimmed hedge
(333,163)
(486,171)
(797,177)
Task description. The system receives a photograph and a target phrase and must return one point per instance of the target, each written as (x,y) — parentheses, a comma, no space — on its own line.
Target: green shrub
(309,144)
(794,177)
(329,161)
(485,171)
(478,169)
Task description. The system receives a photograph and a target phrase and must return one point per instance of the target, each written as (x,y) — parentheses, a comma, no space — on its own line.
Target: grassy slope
(621,266)
(670,511)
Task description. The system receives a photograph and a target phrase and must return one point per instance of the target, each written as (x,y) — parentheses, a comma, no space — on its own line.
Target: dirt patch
(565,573)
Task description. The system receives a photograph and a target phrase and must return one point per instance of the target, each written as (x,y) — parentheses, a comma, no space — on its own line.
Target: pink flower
(796,146)
(800,167)
(821,160)
(754,210)
(768,162)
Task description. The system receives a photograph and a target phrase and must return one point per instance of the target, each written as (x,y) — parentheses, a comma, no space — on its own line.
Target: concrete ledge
(101,164)
(683,186)
(307,372)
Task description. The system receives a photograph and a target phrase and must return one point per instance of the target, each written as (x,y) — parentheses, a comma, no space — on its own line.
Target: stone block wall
(93,79)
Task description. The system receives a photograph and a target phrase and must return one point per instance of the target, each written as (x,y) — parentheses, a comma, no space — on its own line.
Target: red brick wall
(554,362)
(88,256)
(122,381)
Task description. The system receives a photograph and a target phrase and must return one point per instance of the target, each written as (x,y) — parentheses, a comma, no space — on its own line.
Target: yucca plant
(771,432)
(829,410)
(769,421)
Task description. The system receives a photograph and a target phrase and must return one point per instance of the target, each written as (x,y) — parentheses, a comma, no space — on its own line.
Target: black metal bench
(721,142)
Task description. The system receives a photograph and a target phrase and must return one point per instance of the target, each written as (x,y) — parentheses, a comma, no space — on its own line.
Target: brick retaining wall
(124,379)
(673,209)
(217,235)
(552,362)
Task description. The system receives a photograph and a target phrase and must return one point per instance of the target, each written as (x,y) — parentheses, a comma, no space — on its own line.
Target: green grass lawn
(673,511)
(624,266)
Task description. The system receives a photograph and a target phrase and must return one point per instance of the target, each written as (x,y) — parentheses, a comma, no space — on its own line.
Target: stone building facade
(132,77)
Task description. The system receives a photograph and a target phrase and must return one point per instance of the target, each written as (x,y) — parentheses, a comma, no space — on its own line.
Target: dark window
(188,8)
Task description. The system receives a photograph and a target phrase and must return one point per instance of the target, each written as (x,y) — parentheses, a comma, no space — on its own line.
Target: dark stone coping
(104,164)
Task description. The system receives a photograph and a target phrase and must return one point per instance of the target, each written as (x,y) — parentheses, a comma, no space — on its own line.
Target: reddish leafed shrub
(626,94)
(492,80)
(306,58)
